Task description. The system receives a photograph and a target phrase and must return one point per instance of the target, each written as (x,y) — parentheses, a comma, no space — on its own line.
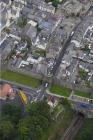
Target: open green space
(86,131)
(83,94)
(63,91)
(58,127)
(14,125)
(20,78)
(36,124)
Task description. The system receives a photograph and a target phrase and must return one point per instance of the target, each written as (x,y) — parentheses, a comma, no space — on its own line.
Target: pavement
(32,94)
(61,55)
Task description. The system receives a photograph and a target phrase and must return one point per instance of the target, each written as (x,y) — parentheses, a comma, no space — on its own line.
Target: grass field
(20,78)
(83,94)
(63,91)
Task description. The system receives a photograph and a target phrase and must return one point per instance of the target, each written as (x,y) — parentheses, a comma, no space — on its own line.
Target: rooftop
(6,91)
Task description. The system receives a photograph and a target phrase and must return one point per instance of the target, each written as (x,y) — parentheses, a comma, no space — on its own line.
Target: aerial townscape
(46,69)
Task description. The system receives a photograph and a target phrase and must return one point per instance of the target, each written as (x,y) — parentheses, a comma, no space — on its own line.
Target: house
(5,1)
(47,8)
(73,7)
(41,5)
(88,35)
(42,68)
(6,91)
(33,23)
(30,31)
(3,16)
(42,40)
(45,25)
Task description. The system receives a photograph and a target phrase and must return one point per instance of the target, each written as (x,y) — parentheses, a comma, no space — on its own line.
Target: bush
(22,21)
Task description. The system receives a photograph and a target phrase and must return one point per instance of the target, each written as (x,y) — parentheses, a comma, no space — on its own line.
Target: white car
(46,85)
(72,33)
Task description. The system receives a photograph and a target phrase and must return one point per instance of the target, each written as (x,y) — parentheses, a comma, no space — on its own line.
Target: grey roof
(30,31)
(5,1)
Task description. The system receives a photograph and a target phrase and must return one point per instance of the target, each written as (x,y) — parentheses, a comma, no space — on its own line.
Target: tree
(29,128)
(82,74)
(44,123)
(39,108)
(22,21)
(7,30)
(44,109)
(55,3)
(32,109)
(27,39)
(29,43)
(40,116)
(6,130)
(47,1)
(65,102)
(36,128)
(86,131)
(12,112)
(24,129)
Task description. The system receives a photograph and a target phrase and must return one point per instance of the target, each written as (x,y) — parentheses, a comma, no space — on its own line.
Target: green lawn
(86,131)
(63,91)
(83,94)
(20,78)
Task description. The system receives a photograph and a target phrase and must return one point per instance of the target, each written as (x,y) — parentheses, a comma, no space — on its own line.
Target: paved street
(66,44)
(33,94)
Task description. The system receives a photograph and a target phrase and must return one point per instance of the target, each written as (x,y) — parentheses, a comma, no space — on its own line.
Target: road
(58,61)
(31,93)
(65,45)
(77,122)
